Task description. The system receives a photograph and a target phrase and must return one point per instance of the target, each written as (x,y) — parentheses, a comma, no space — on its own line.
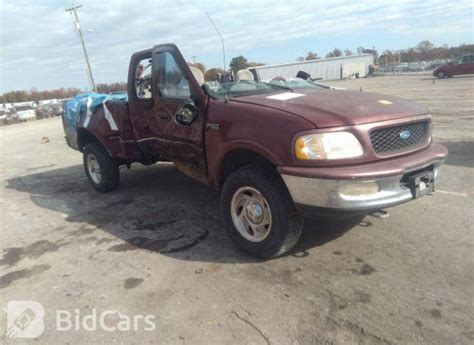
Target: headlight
(334,145)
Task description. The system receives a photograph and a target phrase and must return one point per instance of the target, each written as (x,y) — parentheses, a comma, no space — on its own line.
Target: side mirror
(303,75)
(186,114)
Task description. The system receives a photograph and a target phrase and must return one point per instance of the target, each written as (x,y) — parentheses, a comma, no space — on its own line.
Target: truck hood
(446,65)
(331,108)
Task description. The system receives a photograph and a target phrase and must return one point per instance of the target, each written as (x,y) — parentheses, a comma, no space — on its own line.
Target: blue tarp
(87,103)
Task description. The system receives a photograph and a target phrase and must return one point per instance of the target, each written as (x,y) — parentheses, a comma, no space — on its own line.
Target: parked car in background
(3,117)
(435,64)
(8,115)
(25,112)
(457,66)
(403,67)
(417,66)
(49,109)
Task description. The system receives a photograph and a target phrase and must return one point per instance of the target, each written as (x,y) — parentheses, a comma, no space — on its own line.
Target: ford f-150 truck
(276,150)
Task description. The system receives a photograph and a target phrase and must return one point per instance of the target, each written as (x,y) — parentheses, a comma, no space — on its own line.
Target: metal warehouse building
(328,69)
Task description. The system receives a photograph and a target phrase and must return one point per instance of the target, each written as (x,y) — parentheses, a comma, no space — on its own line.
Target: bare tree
(335,53)
(309,56)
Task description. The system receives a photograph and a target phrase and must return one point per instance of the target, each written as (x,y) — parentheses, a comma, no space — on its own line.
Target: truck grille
(397,138)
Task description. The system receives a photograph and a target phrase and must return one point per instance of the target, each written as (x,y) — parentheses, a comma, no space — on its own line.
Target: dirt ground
(157,246)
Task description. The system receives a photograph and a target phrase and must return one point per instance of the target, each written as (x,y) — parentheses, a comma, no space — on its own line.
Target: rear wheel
(101,170)
(259,213)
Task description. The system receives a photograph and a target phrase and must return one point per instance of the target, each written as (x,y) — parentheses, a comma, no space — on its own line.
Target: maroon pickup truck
(276,150)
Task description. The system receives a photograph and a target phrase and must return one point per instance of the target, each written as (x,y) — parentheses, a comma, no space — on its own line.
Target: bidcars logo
(405,134)
(24,319)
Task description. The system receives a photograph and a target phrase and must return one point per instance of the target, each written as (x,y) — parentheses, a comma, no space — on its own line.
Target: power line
(73,11)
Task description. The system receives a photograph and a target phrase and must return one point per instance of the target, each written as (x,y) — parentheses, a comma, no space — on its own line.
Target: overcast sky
(39,46)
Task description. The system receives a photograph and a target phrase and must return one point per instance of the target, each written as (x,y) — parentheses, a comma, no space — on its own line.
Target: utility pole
(73,11)
(194,59)
(89,79)
(222,40)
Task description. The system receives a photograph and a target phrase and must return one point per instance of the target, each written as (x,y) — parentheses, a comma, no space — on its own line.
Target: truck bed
(105,116)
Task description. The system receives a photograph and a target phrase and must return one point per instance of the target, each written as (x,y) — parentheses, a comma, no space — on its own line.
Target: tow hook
(381,214)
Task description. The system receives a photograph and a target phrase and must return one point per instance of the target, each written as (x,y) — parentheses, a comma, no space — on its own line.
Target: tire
(252,186)
(441,74)
(106,178)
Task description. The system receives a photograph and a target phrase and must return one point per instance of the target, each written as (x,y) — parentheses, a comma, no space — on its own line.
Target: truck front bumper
(365,187)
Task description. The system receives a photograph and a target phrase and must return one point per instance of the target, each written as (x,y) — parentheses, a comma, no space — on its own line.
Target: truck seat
(244,74)
(198,75)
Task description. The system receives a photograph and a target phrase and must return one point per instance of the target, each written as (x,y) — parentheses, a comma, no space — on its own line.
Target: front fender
(215,166)
(241,126)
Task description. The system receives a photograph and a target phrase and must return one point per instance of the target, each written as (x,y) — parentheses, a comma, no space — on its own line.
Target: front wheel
(259,213)
(441,75)
(102,171)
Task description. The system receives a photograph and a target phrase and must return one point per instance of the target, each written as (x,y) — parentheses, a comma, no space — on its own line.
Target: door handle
(164,116)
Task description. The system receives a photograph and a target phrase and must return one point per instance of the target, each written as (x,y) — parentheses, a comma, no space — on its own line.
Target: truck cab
(276,149)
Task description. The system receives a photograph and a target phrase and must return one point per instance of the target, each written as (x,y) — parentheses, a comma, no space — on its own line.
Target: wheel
(259,213)
(101,170)
(441,75)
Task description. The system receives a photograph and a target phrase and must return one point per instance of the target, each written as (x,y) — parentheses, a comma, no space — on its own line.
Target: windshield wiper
(279,86)
(319,85)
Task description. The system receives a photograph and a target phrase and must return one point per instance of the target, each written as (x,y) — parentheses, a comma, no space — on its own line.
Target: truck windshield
(250,87)
(456,60)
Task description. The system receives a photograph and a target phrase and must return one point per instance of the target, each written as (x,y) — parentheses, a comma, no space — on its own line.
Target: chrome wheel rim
(251,214)
(93,168)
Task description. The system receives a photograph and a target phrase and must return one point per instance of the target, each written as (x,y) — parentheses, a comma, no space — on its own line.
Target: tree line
(423,51)
(61,93)
(35,95)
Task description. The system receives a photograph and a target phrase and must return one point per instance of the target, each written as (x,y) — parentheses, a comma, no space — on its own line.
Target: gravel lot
(156,246)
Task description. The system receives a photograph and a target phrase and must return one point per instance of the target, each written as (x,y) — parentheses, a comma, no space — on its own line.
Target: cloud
(40,47)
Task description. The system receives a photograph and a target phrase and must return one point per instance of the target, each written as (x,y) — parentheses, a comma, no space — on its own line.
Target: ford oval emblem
(405,134)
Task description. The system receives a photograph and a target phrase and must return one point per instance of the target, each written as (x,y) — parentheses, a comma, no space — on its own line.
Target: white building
(327,69)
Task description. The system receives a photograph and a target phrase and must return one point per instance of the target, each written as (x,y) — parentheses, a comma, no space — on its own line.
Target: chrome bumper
(327,193)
